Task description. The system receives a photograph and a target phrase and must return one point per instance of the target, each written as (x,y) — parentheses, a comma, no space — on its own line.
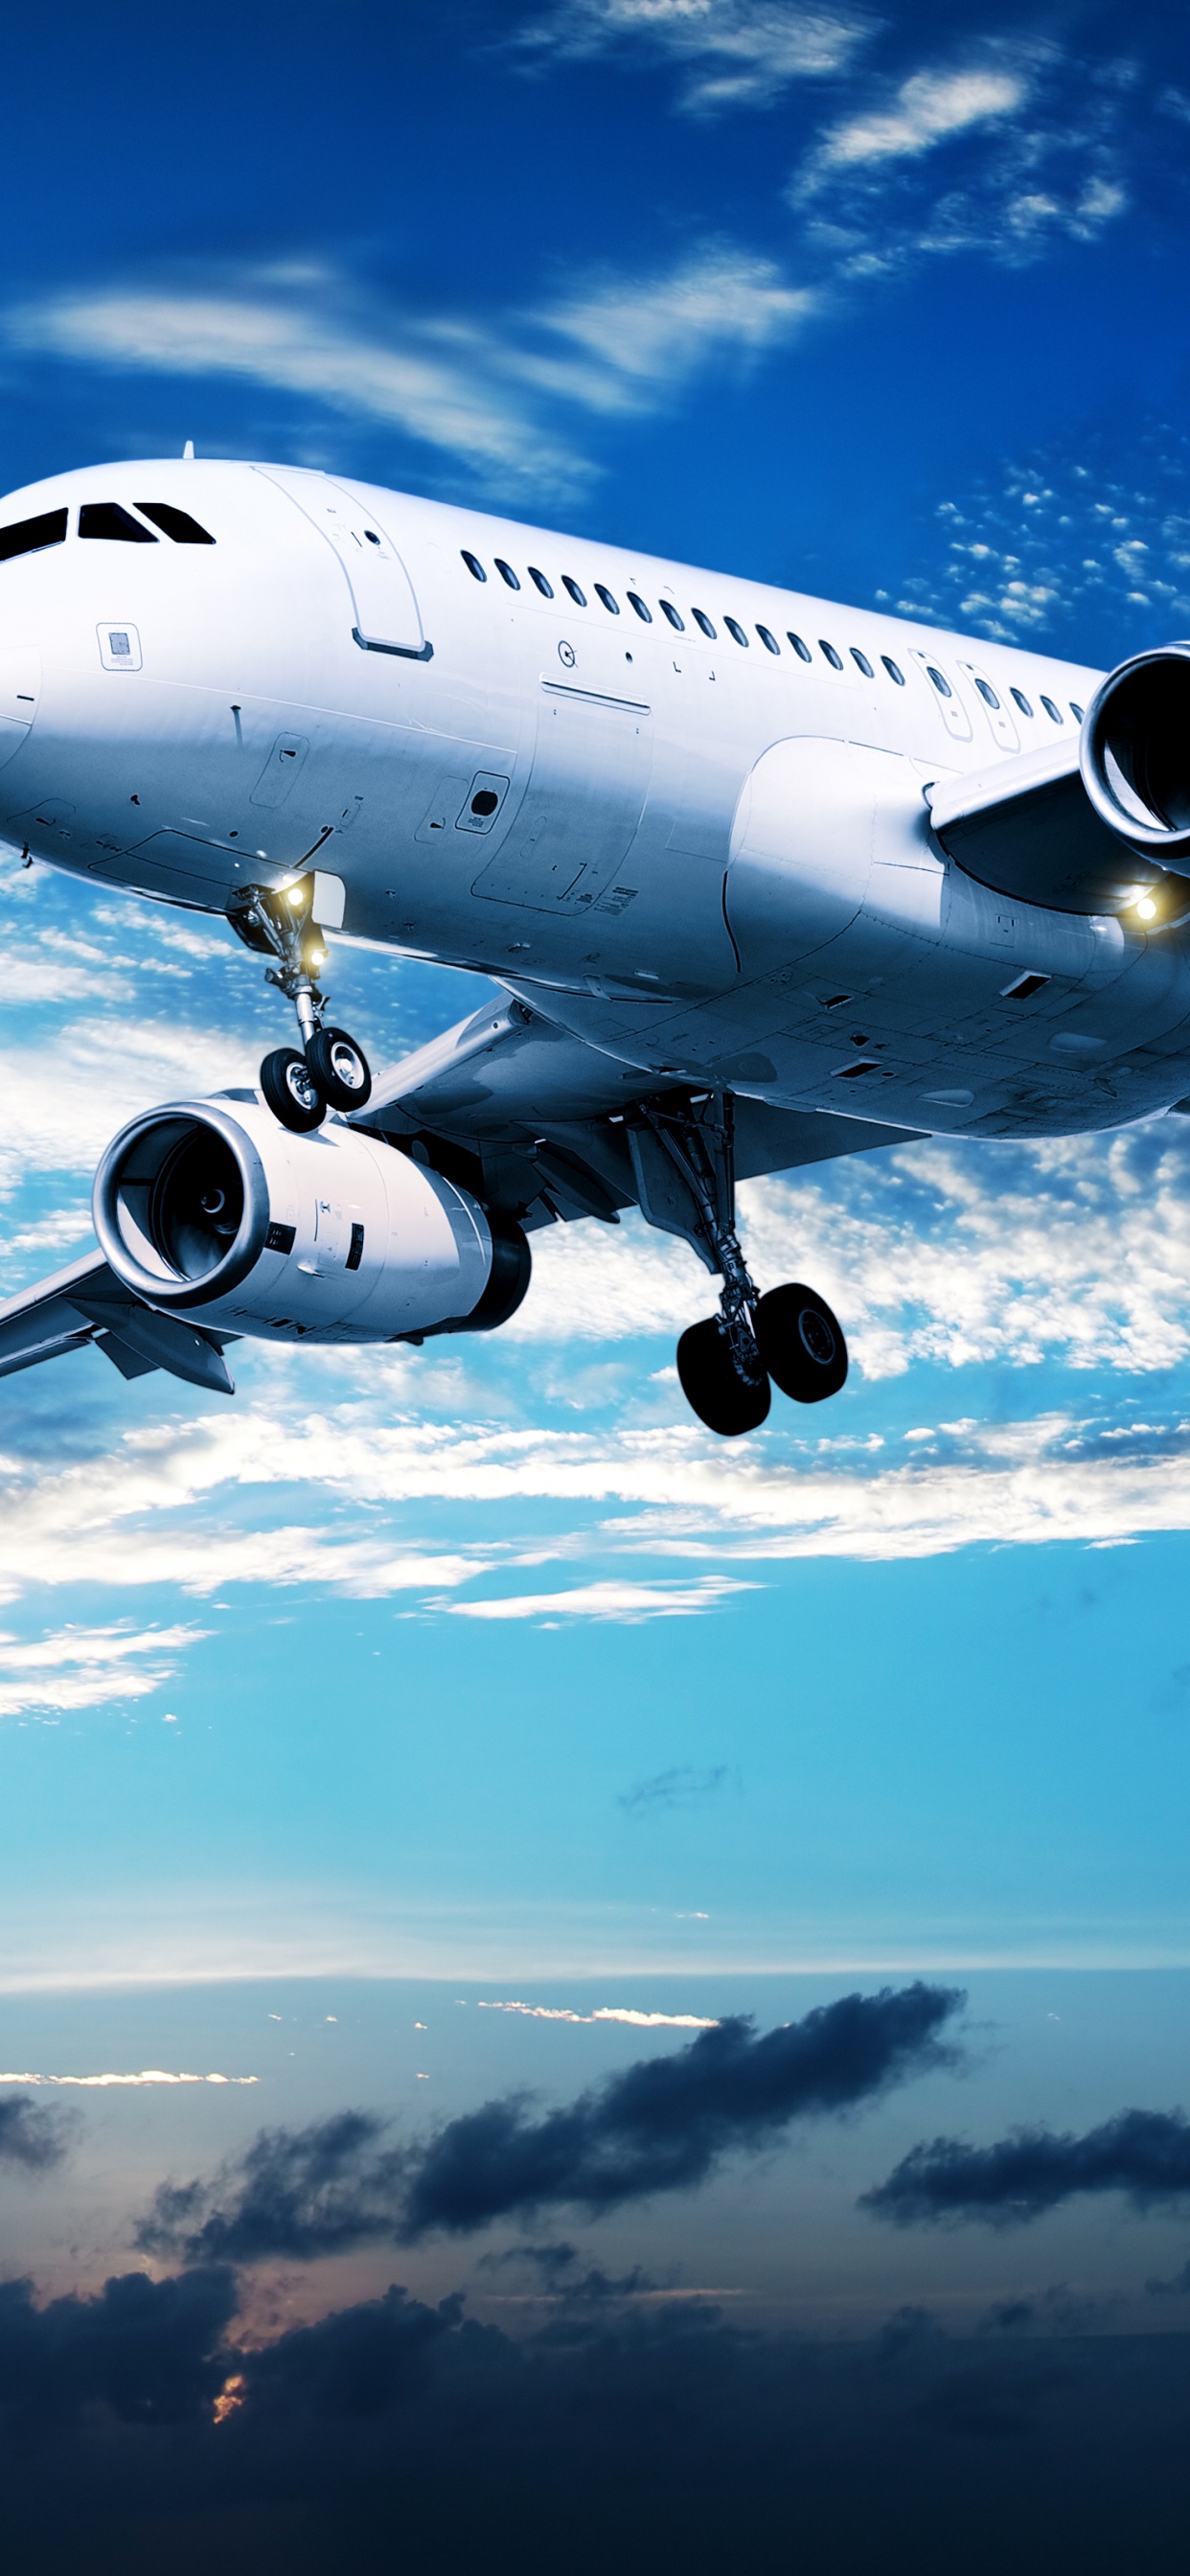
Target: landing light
(296,896)
(1146,909)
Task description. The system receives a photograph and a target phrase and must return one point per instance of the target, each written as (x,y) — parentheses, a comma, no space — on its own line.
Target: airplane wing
(1026,827)
(531,1119)
(84,1304)
(535,1120)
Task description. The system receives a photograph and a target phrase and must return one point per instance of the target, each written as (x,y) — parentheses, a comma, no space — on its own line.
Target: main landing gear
(684,1166)
(328,1071)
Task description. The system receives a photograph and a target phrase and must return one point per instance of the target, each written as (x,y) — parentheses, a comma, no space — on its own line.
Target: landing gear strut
(683,1155)
(330,1070)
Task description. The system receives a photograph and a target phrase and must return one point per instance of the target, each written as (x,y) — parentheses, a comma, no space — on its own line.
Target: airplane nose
(20,689)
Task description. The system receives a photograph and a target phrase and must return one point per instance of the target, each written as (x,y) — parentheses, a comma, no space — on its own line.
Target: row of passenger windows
(739,635)
(103,519)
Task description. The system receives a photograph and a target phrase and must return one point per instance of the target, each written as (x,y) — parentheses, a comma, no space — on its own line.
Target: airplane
(760,879)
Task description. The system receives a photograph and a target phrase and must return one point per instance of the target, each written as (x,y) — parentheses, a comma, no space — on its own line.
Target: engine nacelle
(211,1208)
(1135,753)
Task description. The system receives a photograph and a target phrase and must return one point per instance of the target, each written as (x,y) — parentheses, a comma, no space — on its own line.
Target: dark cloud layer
(667,2121)
(137,2433)
(661,2125)
(1145,2154)
(297,2193)
(29,2135)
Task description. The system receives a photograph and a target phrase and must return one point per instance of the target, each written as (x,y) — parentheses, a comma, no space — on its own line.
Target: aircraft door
(385,615)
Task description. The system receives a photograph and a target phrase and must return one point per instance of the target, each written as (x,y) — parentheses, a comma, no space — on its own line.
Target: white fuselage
(705,856)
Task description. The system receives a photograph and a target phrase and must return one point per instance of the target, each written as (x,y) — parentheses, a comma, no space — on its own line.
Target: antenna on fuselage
(188,452)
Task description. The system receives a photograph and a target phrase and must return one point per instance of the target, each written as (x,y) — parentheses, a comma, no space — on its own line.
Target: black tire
(291,1094)
(712,1384)
(340,1068)
(801,1343)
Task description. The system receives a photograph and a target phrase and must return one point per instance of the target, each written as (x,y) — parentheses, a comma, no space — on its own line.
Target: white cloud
(648,332)
(629,1603)
(82,1667)
(1063,538)
(928,110)
(480,394)
(293,343)
(740,53)
(1036,149)
(603,2012)
(148,2075)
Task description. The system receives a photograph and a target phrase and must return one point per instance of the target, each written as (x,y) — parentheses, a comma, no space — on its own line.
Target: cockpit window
(28,536)
(179,525)
(107,519)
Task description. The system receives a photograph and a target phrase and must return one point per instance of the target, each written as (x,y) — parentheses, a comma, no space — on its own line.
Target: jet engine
(210,1208)
(1135,753)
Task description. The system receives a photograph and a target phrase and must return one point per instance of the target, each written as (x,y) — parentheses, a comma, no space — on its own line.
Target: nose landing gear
(683,1158)
(330,1071)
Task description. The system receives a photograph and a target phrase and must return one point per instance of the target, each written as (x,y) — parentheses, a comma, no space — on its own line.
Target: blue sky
(483,1667)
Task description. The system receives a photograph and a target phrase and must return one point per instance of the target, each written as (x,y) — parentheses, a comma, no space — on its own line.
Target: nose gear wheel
(291,1092)
(339,1068)
(335,1068)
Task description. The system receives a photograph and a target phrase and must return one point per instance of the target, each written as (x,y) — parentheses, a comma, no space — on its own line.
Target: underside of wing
(537,1122)
(86,1304)
(1026,827)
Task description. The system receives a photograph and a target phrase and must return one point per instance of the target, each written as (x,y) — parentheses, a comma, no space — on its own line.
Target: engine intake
(1135,752)
(210,1206)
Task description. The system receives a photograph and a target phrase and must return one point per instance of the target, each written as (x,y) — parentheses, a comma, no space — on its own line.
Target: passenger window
(1077,712)
(734,628)
(178,524)
(1020,700)
(474,565)
(942,686)
(29,536)
(1053,712)
(639,606)
(701,619)
(678,623)
(107,519)
(612,605)
(835,659)
(862,663)
(769,641)
(507,574)
(893,670)
(571,587)
(801,649)
(986,691)
(540,583)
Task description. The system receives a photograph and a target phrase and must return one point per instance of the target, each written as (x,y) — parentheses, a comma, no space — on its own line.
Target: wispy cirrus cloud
(84,1667)
(603,2012)
(104,2083)
(1005,152)
(733,53)
(928,109)
(499,399)
(285,334)
(628,1603)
